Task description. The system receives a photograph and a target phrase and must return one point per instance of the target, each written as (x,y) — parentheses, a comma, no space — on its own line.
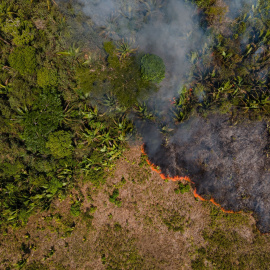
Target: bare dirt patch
(146,226)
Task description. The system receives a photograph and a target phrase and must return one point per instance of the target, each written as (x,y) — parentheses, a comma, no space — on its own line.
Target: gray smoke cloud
(100,10)
(168,29)
(172,39)
(226,162)
(236,7)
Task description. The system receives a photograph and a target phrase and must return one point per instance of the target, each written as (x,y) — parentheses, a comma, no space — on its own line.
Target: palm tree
(124,49)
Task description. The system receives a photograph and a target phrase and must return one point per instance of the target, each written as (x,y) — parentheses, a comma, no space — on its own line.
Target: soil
(153,228)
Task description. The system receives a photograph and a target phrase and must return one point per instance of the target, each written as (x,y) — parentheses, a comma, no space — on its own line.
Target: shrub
(117,227)
(114,198)
(109,47)
(75,209)
(175,223)
(8,169)
(182,188)
(47,77)
(205,3)
(42,121)
(152,68)
(198,264)
(54,187)
(59,143)
(22,31)
(23,60)
(44,165)
(21,94)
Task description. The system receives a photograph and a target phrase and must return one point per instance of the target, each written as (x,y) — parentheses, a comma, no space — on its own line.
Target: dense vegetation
(230,76)
(52,133)
(68,94)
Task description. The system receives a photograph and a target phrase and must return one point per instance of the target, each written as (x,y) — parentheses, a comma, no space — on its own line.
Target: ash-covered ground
(227,162)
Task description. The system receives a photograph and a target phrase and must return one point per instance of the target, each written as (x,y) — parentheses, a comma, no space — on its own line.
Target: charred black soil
(227,162)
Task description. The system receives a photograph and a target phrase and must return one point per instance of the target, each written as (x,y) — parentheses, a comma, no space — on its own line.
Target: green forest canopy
(65,102)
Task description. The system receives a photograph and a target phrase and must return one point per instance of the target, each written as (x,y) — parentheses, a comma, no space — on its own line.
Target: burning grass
(226,164)
(182,178)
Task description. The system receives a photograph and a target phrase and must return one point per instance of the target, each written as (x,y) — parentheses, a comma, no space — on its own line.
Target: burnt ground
(225,161)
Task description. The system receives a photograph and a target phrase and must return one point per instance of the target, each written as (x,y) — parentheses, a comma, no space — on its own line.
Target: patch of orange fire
(181,178)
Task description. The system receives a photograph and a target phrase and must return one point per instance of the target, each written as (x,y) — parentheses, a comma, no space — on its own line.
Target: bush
(41,122)
(205,3)
(23,60)
(182,188)
(152,68)
(22,31)
(109,47)
(21,94)
(198,264)
(59,143)
(175,223)
(43,165)
(75,209)
(47,77)
(114,198)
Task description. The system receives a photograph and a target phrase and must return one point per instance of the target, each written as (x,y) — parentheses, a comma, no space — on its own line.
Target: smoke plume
(169,29)
(225,162)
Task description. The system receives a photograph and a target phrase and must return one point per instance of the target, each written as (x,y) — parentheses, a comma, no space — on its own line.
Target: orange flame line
(181,178)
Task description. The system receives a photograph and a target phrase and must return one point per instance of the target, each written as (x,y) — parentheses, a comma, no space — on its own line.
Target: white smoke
(100,10)
(169,29)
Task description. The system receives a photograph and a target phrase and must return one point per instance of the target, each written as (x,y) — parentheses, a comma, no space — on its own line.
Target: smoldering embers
(226,162)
